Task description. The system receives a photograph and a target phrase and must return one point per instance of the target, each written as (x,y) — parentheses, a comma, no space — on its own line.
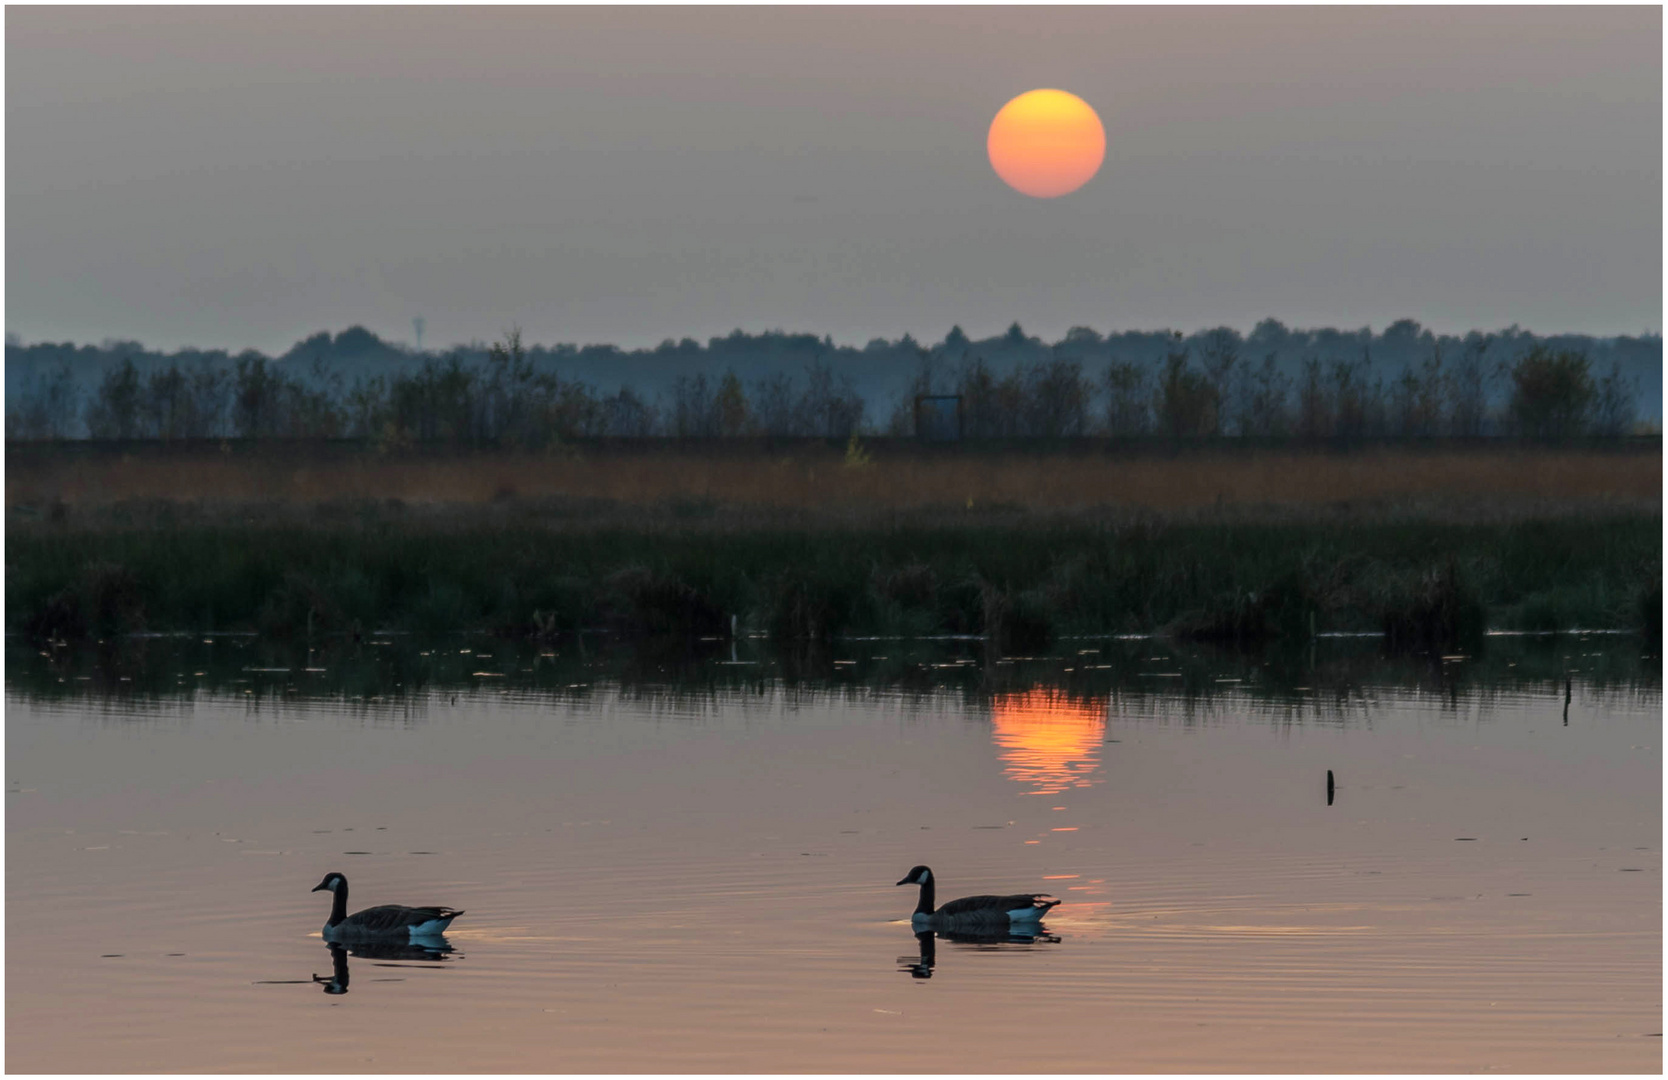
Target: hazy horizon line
(15,339)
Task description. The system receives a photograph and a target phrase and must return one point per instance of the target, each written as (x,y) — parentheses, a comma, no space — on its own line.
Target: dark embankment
(701,569)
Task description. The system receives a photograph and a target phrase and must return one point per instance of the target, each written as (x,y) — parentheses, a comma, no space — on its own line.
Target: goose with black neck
(387,922)
(974,913)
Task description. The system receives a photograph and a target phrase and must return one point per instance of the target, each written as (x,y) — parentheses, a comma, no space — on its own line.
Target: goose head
(918,876)
(332,881)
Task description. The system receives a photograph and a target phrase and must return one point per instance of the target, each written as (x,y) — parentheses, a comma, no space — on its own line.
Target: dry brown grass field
(815,477)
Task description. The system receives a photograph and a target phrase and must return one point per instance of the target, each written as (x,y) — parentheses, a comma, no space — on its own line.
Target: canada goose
(973,912)
(390,922)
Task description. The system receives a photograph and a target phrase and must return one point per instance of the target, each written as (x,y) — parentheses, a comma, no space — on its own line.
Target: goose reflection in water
(429,950)
(927,941)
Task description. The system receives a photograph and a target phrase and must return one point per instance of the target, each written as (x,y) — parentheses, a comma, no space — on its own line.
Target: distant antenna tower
(417,324)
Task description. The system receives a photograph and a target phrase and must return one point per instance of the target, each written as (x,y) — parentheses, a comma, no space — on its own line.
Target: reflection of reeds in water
(1331,681)
(1048,741)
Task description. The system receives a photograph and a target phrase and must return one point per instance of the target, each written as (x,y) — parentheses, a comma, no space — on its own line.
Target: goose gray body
(388,922)
(974,913)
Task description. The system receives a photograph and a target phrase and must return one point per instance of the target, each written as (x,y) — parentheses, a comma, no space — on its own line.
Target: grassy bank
(813,475)
(1020,580)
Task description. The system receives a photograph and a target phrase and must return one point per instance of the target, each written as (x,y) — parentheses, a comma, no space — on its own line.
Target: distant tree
(1432,391)
(255,397)
(990,405)
(521,405)
(1057,399)
(1314,407)
(367,408)
(1416,397)
(439,402)
(1468,388)
(1187,403)
(208,399)
(1356,399)
(925,382)
(450,400)
(687,348)
(1082,343)
(356,340)
(628,415)
(60,399)
(1552,393)
(48,410)
(776,405)
(509,393)
(1265,413)
(1270,335)
(1219,352)
(730,406)
(694,410)
(115,410)
(167,404)
(977,387)
(1404,397)
(509,396)
(1400,339)
(1613,406)
(311,408)
(1128,399)
(831,404)
(573,410)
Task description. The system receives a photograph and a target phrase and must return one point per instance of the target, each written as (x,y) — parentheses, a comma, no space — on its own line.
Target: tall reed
(1021,580)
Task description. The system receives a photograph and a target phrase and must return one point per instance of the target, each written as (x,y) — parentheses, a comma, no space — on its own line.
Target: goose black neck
(338,904)
(925,907)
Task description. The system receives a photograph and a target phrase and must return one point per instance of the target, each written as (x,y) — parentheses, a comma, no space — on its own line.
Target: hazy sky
(243,176)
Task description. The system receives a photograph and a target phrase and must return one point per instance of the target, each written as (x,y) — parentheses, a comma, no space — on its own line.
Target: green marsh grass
(1019,579)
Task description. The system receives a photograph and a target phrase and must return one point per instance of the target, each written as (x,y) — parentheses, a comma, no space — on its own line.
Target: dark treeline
(1275,383)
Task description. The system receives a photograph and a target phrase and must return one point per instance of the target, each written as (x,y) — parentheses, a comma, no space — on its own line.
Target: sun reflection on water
(1048,741)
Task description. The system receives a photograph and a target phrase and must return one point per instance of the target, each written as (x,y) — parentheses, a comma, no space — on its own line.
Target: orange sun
(1046,143)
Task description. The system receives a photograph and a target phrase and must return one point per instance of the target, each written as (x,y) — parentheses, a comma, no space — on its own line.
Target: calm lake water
(685,863)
